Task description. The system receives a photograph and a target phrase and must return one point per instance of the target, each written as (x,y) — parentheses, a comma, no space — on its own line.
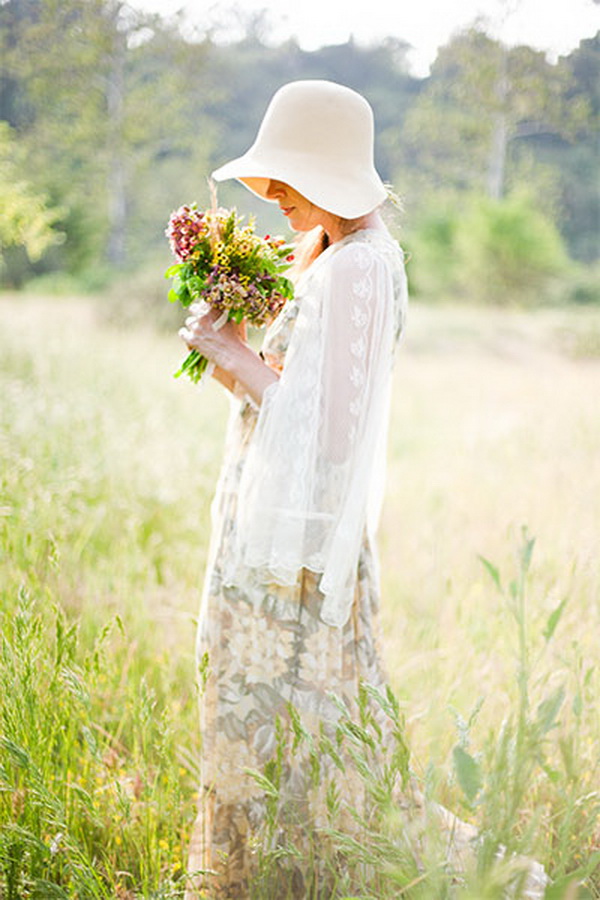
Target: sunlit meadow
(489,552)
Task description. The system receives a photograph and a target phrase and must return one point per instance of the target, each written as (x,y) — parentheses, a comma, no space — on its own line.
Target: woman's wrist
(233,359)
(248,369)
(232,356)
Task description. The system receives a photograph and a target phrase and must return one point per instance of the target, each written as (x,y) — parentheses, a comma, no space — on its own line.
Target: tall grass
(107,469)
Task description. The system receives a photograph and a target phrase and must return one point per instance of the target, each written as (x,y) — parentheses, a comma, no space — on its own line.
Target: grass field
(489,550)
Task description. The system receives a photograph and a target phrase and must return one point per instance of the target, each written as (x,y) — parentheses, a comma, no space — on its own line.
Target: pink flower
(185,229)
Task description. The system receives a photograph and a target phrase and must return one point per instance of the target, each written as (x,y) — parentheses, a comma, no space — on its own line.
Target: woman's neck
(312,243)
(336,229)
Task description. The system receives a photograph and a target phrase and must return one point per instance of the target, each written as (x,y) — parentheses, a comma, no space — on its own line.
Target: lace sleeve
(316,455)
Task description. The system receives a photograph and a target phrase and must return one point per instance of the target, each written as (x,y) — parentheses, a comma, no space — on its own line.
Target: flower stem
(194,366)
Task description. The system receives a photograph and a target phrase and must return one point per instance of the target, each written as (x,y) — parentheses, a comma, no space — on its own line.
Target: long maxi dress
(289,610)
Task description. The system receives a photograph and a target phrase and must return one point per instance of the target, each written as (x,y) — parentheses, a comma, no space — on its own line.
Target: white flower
(314,660)
(235,785)
(55,845)
(258,650)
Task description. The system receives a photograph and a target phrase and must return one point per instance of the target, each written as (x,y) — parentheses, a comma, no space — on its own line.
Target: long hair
(307,246)
(311,244)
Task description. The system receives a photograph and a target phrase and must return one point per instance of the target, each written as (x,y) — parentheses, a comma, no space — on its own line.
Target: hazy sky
(553,25)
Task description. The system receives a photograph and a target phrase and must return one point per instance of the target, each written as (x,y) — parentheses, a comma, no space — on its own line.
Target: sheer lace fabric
(314,476)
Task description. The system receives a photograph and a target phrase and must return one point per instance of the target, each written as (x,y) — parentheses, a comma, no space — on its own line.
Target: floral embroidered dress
(289,607)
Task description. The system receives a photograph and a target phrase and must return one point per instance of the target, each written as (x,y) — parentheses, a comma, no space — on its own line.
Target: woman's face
(300,212)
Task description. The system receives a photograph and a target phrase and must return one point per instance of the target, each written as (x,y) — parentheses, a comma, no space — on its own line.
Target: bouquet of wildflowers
(222,262)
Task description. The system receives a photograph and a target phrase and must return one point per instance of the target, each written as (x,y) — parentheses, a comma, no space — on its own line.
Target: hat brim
(335,191)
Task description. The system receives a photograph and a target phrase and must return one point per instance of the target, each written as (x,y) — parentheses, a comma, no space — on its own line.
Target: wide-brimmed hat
(316,136)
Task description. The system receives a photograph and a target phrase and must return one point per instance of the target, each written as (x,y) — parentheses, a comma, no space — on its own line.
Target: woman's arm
(311,481)
(235,362)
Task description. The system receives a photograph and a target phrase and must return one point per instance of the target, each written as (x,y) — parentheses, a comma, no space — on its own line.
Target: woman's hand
(220,345)
(226,347)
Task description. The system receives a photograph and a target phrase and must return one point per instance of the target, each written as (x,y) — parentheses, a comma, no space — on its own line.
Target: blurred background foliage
(110,118)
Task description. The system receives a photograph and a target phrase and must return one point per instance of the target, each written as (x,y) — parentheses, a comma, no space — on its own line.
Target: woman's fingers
(216,344)
(192,329)
(198,324)
(202,316)
(198,333)
(199,308)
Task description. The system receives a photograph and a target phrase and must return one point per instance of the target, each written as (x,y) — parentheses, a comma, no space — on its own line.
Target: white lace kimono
(314,475)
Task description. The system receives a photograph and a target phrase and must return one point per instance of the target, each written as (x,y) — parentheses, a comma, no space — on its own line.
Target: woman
(289,609)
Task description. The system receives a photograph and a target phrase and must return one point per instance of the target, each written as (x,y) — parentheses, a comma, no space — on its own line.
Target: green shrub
(494,252)
(583,288)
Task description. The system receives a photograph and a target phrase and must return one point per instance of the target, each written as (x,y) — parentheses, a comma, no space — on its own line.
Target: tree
(99,110)
(580,162)
(480,101)
(118,119)
(26,220)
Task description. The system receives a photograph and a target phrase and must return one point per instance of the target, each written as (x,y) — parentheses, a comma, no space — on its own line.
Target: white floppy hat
(316,136)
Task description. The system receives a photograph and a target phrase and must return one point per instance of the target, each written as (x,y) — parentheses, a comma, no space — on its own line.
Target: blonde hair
(311,244)
(307,247)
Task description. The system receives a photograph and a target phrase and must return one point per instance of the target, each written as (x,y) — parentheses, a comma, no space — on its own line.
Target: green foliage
(108,95)
(523,746)
(97,711)
(120,117)
(468,772)
(105,484)
(498,252)
(509,252)
(26,220)
(87,763)
(400,845)
(466,128)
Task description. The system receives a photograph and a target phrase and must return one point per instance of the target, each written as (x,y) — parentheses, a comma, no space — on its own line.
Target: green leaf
(468,772)
(333,799)
(492,571)
(570,885)
(327,749)
(554,619)
(393,702)
(526,551)
(195,283)
(19,756)
(358,734)
(183,294)
(548,710)
(553,774)
(48,890)
(263,783)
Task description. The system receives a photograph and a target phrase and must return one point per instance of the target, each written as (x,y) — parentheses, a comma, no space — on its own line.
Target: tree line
(109,118)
